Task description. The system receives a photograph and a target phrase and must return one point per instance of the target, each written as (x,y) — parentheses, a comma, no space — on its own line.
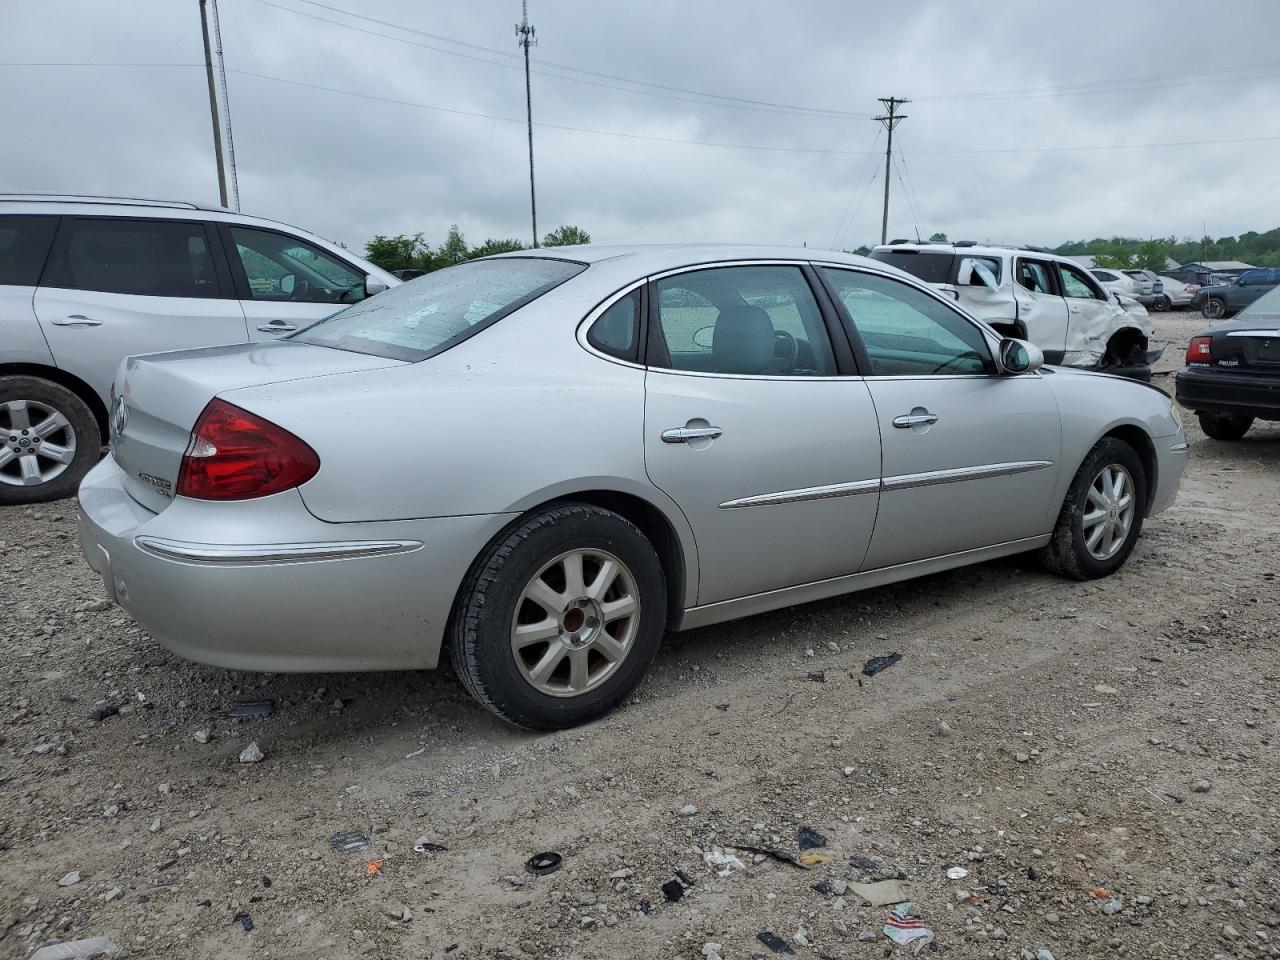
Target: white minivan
(87,281)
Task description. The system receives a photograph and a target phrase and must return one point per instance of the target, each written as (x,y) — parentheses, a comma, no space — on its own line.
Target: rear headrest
(742,341)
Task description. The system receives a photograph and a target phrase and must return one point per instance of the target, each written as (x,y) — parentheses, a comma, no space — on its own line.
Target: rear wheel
(1213,308)
(1224,426)
(1102,514)
(561,618)
(1161,304)
(49,440)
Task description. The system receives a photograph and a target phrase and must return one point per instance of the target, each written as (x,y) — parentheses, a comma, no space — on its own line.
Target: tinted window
(151,258)
(433,313)
(24,245)
(280,267)
(617,330)
(906,331)
(1035,276)
(746,320)
(1103,275)
(929,267)
(1076,284)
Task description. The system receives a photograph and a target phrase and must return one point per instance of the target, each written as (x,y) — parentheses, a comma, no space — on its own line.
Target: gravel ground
(1098,757)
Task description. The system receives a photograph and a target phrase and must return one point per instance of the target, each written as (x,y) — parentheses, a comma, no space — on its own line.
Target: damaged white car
(1036,295)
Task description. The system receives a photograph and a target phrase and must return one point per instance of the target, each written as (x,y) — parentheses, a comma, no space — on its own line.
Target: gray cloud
(348,167)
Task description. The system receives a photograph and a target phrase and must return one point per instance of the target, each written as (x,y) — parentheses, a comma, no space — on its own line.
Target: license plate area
(1265,351)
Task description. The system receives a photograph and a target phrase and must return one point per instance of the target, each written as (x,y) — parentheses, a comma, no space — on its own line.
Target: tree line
(403,252)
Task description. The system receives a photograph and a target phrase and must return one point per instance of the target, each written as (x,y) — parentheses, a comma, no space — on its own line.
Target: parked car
(1048,299)
(1232,375)
(1119,281)
(536,464)
(86,281)
(1225,298)
(1175,293)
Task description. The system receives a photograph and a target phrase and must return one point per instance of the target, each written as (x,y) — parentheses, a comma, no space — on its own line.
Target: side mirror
(1019,356)
(373,286)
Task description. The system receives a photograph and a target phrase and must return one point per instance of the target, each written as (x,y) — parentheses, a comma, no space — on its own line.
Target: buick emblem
(119,415)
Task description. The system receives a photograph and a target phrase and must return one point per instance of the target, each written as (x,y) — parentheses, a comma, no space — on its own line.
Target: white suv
(1038,296)
(87,281)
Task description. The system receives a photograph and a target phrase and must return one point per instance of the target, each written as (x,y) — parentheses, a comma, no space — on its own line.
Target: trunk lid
(1247,348)
(159,396)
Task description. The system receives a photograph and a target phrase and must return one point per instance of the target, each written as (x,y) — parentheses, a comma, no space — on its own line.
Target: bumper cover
(264,585)
(1213,391)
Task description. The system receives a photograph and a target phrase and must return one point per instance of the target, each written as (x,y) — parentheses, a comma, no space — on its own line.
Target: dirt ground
(1051,738)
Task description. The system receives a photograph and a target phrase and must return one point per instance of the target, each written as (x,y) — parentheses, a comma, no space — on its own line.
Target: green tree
(396,253)
(452,251)
(938,238)
(490,247)
(566,236)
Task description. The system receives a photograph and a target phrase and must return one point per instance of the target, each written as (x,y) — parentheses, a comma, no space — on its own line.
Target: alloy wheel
(37,443)
(1110,506)
(575,622)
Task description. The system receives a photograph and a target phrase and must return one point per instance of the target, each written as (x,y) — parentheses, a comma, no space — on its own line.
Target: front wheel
(49,440)
(1213,308)
(561,618)
(1101,516)
(1224,426)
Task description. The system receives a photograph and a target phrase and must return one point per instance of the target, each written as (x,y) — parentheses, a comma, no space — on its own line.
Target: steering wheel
(301,289)
(786,350)
(967,355)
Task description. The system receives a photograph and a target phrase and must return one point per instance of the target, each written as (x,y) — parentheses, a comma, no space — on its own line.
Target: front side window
(1034,276)
(24,245)
(284,268)
(433,313)
(753,320)
(150,258)
(1075,284)
(906,332)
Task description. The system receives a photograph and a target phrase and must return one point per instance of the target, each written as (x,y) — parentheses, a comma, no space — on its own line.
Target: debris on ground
(723,862)
(424,845)
(688,810)
(808,838)
(202,736)
(350,841)
(818,676)
(813,859)
(903,928)
(675,888)
(780,855)
(956,873)
(244,920)
(103,712)
(77,949)
(882,893)
(373,868)
(70,879)
(876,664)
(243,709)
(775,943)
(252,753)
(541,864)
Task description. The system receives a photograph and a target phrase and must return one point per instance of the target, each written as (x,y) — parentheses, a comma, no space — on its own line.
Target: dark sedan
(1218,300)
(1233,371)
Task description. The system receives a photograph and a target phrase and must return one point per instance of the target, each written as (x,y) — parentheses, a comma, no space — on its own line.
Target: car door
(970,458)
(757,428)
(24,247)
(1090,311)
(1041,307)
(286,283)
(115,287)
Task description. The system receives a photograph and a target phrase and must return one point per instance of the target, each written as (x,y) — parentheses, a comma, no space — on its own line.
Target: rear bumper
(1212,391)
(1171,460)
(264,585)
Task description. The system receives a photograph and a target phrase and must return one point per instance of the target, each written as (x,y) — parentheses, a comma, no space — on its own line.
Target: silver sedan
(538,464)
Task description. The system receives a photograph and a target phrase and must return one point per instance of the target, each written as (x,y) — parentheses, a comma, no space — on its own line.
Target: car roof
(650,257)
(966,248)
(73,205)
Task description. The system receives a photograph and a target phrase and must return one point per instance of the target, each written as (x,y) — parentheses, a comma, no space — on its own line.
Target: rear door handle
(915,420)
(685,434)
(75,320)
(276,328)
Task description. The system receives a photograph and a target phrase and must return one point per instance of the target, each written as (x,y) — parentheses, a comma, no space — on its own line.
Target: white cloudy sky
(1029,120)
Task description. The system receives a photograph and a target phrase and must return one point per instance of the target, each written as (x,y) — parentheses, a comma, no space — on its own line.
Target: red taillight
(236,455)
(1200,350)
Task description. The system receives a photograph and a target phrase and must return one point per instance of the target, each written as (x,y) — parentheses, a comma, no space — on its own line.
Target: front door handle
(76,320)
(915,420)
(685,434)
(276,328)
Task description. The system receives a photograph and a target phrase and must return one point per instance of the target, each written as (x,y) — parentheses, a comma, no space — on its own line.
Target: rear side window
(24,245)
(418,320)
(617,330)
(150,258)
(929,267)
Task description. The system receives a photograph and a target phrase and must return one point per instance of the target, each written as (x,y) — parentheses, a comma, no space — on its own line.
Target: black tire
(1224,426)
(1214,308)
(81,430)
(1161,304)
(480,630)
(1066,553)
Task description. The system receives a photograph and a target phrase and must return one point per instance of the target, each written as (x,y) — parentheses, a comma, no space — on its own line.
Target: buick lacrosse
(537,464)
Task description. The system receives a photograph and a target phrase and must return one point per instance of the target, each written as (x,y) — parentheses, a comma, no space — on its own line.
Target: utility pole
(226,108)
(890,120)
(526,37)
(213,102)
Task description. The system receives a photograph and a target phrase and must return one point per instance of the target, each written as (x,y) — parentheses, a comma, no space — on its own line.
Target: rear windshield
(1266,307)
(429,315)
(939,267)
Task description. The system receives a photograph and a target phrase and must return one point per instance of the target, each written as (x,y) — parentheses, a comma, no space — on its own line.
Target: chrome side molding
(273,552)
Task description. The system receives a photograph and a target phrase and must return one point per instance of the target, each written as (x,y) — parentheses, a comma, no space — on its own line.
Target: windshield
(420,319)
(1266,306)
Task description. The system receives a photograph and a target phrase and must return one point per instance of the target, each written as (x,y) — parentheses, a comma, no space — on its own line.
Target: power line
(812,111)
(16,63)
(910,186)
(858,186)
